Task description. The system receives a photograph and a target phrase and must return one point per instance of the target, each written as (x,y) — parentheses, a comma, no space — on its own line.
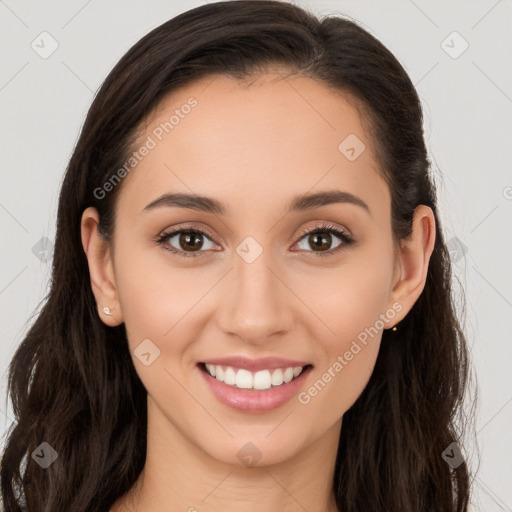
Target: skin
(253,148)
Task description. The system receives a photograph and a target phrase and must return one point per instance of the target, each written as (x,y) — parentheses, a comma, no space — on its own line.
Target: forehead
(270,138)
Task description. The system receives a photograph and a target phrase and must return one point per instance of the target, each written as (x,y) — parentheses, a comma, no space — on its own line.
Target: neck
(178,475)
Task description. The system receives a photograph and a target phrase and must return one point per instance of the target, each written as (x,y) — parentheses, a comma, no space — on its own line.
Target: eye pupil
(185,239)
(316,238)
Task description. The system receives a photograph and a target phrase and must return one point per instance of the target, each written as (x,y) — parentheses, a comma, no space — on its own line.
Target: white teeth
(277,378)
(229,376)
(288,375)
(244,379)
(262,380)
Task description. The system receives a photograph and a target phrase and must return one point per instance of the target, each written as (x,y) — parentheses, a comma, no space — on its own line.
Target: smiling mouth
(240,378)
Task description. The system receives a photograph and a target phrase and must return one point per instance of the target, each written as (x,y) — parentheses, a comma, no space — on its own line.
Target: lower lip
(251,400)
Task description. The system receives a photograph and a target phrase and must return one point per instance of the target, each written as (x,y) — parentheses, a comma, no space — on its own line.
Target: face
(250,281)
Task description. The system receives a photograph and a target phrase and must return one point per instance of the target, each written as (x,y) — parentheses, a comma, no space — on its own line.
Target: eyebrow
(210,205)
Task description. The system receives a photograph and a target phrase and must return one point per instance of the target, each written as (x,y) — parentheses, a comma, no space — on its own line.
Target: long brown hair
(72,381)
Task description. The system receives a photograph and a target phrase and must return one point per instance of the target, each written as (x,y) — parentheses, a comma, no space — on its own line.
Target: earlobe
(414,257)
(101,270)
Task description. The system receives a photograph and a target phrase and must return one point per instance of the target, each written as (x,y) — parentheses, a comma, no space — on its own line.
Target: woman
(250,306)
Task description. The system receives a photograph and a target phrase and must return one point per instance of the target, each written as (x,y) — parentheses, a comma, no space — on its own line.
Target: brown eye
(190,240)
(320,240)
(186,242)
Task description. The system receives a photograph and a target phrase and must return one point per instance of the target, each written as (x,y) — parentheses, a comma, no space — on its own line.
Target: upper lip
(265,363)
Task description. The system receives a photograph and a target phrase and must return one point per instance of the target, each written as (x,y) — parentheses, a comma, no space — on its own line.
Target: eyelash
(323,228)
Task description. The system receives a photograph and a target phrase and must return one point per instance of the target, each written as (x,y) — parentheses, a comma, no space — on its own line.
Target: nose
(255,306)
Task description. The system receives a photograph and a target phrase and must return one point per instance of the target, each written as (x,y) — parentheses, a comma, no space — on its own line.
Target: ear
(412,262)
(101,269)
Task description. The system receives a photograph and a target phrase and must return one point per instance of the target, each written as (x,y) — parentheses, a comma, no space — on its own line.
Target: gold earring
(394,328)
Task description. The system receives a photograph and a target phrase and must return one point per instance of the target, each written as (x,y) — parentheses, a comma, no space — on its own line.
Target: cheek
(353,312)
(337,385)
(157,302)
(155,296)
(347,299)
(351,304)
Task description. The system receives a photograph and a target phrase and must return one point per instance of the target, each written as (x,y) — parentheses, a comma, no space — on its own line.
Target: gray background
(468,125)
